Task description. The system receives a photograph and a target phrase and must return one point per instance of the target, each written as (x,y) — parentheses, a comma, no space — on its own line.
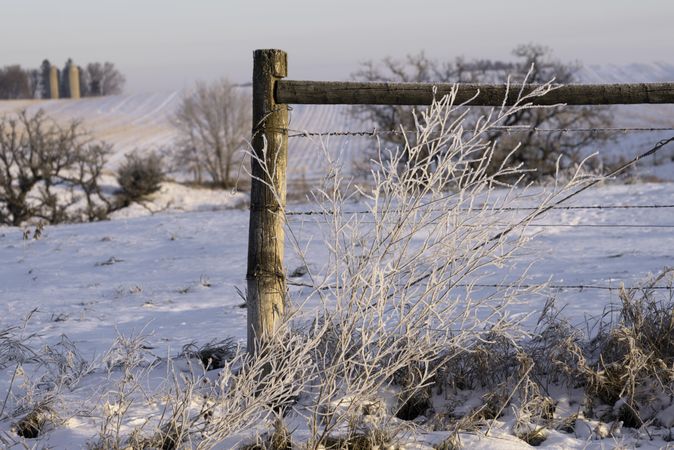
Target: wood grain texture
(265,273)
(354,93)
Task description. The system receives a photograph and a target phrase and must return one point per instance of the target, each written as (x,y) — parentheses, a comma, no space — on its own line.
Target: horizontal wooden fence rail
(368,93)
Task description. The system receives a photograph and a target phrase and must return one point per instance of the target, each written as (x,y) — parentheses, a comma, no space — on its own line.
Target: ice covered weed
(15,347)
(395,299)
(622,376)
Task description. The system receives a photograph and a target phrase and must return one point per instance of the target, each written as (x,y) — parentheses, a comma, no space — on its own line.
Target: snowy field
(171,278)
(171,274)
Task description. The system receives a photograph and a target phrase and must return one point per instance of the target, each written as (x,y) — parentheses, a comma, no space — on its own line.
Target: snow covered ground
(171,277)
(151,272)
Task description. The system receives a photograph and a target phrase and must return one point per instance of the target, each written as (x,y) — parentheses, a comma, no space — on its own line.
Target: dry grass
(36,422)
(624,370)
(632,357)
(276,439)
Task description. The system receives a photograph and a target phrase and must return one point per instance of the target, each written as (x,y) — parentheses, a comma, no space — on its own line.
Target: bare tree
(540,152)
(104,79)
(50,173)
(213,121)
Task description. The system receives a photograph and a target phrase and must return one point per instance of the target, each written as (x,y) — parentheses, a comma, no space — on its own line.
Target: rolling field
(142,122)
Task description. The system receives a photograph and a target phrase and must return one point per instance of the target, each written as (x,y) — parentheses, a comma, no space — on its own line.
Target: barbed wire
(477,209)
(580,287)
(653,150)
(537,212)
(509,129)
(534,212)
(372,133)
(550,225)
(601,225)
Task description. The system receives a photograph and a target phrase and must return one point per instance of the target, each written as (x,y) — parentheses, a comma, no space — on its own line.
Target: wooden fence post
(265,274)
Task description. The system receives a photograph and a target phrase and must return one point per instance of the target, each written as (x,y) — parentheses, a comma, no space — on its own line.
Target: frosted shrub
(392,314)
(395,303)
(140,176)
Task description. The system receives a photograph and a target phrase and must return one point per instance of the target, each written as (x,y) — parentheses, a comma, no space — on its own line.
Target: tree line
(95,79)
(213,121)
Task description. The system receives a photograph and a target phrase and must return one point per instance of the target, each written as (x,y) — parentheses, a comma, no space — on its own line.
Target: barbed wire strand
(496,208)
(580,287)
(601,225)
(293,133)
(556,225)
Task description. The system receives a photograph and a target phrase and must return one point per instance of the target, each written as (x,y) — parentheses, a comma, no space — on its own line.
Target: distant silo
(54,82)
(74,81)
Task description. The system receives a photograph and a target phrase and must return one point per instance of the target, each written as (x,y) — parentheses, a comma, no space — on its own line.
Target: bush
(50,172)
(140,176)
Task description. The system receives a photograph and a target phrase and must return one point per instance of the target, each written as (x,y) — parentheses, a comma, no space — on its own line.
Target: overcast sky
(167,44)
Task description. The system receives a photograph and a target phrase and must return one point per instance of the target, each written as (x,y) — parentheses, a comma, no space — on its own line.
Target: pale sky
(166,44)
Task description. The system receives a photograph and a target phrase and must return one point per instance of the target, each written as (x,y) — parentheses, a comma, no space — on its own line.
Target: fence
(272,94)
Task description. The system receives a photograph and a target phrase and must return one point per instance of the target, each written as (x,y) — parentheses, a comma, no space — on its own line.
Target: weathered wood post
(265,274)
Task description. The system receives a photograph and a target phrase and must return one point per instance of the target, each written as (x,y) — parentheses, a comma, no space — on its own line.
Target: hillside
(83,296)
(141,122)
